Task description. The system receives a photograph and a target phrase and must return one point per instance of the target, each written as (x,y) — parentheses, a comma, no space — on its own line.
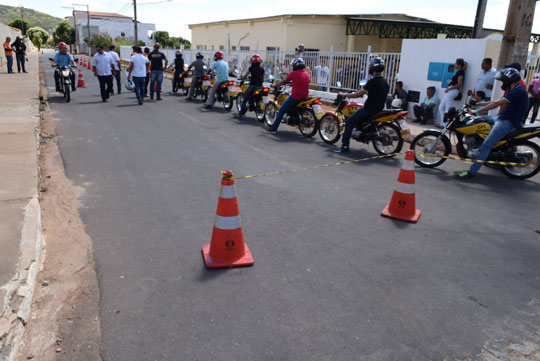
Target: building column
(350,43)
(535,49)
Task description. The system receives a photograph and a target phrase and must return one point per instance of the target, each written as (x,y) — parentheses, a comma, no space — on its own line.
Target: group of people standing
(20,54)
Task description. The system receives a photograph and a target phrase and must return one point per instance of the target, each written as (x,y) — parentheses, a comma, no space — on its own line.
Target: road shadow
(94,102)
(128,105)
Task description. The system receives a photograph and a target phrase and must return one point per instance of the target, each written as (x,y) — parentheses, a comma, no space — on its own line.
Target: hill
(35,18)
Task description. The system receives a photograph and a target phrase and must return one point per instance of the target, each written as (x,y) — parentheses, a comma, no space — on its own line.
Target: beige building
(383,32)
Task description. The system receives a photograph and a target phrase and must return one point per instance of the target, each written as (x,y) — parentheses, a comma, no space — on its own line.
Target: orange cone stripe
(227,249)
(403,201)
(227,207)
(406,176)
(227,223)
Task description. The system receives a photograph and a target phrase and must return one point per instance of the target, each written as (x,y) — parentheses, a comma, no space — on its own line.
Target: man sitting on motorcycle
(515,102)
(255,83)
(222,75)
(63,58)
(198,73)
(377,90)
(178,66)
(300,90)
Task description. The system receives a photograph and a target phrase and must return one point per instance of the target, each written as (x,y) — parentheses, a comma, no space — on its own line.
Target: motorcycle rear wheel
(329,129)
(227,102)
(530,152)
(239,99)
(307,123)
(204,96)
(391,141)
(259,112)
(270,113)
(186,90)
(175,86)
(424,144)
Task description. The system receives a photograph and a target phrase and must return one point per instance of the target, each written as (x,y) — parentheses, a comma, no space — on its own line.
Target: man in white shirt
(486,78)
(138,68)
(103,66)
(117,71)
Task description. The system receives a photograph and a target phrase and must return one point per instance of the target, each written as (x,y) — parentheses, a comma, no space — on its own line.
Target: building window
(272,48)
(234,47)
(222,47)
(245,48)
(199,47)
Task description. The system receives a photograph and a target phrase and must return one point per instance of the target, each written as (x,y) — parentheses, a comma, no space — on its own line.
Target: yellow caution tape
(319,166)
(473,160)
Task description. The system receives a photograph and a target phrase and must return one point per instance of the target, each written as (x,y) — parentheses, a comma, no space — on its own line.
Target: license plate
(206,82)
(403,124)
(266,99)
(317,109)
(187,83)
(232,88)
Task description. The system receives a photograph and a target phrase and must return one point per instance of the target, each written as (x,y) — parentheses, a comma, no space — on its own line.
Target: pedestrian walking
(20,54)
(103,66)
(117,68)
(138,68)
(156,59)
(147,79)
(8,52)
(452,92)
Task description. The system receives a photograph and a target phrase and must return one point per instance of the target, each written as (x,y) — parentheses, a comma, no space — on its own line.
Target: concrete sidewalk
(20,216)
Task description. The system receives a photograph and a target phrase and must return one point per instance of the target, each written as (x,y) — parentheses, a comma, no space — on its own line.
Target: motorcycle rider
(198,73)
(377,90)
(515,102)
(255,83)
(300,90)
(178,66)
(63,58)
(222,75)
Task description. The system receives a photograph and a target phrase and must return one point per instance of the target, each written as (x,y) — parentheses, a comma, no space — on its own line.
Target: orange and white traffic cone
(89,65)
(402,206)
(227,248)
(81,83)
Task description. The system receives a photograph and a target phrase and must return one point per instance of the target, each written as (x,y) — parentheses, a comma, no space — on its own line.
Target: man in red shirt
(300,90)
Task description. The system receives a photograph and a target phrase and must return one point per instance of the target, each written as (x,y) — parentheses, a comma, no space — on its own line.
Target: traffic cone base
(244,261)
(413,219)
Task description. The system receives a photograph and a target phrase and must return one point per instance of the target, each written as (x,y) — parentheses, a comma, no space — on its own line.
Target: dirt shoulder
(64,322)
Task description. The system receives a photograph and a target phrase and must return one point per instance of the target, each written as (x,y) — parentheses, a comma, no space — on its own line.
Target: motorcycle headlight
(65,73)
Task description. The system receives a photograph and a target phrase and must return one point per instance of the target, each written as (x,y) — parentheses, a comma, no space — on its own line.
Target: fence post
(330,68)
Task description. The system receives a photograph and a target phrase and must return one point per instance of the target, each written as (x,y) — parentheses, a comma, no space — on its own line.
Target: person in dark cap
(516,66)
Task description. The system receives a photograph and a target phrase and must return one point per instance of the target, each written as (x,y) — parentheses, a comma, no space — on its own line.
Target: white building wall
(416,54)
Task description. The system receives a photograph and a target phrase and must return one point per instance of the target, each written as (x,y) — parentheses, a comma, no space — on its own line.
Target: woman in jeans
(452,91)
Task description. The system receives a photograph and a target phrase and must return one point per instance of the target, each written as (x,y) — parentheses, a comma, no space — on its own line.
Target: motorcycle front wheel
(204,96)
(428,150)
(239,99)
(526,152)
(227,102)
(67,92)
(270,113)
(307,123)
(259,112)
(329,129)
(186,91)
(389,140)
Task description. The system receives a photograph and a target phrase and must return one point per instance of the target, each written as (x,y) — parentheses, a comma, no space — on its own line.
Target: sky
(175,15)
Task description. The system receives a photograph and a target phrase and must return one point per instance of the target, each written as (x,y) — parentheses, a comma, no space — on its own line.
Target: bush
(64,32)
(18,24)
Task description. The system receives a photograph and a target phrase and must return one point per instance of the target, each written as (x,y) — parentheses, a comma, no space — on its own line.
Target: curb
(19,290)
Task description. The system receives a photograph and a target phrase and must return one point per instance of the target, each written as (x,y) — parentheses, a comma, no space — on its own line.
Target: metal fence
(330,71)
(533,68)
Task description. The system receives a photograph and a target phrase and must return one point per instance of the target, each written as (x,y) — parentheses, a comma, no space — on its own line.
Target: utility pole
(22,21)
(517,33)
(136,37)
(76,32)
(479,20)
(88,25)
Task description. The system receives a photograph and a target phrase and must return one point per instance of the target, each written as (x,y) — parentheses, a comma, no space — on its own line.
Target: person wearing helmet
(63,58)
(300,79)
(377,90)
(516,103)
(255,82)
(198,72)
(222,75)
(138,68)
(178,66)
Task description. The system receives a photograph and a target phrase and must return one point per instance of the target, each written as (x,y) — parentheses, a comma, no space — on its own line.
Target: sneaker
(151,97)
(465,175)
(238,116)
(140,102)
(158,99)
(207,106)
(341,149)
(417,120)
(189,98)
(271,130)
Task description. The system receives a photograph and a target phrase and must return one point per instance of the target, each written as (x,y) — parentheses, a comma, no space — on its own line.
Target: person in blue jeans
(255,83)
(300,90)
(515,102)
(156,59)
(138,68)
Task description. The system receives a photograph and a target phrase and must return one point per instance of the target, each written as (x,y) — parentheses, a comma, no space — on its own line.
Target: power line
(156,2)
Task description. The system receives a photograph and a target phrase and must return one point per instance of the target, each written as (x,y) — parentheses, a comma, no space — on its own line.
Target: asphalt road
(332,280)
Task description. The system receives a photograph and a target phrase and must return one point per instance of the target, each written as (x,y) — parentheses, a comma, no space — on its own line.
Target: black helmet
(376,65)
(297,64)
(508,76)
(199,55)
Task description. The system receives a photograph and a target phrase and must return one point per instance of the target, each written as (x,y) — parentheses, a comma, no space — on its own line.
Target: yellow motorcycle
(258,103)
(470,131)
(306,115)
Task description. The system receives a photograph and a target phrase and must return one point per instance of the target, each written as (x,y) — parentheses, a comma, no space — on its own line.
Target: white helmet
(396,103)
(130,85)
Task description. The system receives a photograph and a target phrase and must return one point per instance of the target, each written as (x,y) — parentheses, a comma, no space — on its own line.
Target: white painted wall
(416,54)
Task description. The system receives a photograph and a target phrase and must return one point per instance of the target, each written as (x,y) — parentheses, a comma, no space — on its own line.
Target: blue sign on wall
(435,71)
(448,72)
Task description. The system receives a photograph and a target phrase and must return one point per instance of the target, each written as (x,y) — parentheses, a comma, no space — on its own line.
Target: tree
(161,37)
(18,24)
(99,39)
(37,42)
(37,32)
(167,41)
(64,32)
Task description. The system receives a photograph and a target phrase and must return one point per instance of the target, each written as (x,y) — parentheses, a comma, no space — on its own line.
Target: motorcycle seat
(384,112)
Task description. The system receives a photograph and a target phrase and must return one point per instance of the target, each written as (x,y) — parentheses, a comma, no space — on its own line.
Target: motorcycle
(306,114)
(179,81)
(470,131)
(260,99)
(64,76)
(384,129)
(225,94)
